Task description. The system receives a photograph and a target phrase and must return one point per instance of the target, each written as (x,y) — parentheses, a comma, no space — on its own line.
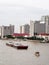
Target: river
(12,56)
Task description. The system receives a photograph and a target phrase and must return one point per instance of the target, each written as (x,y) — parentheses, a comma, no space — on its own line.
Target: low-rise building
(43,35)
(20,34)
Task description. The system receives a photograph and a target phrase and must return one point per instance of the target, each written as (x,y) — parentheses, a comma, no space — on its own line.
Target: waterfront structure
(25,29)
(6,30)
(43,35)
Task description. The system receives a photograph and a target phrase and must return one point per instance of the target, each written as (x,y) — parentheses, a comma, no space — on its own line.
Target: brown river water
(12,56)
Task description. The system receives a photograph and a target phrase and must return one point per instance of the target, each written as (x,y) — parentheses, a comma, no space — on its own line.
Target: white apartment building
(31,28)
(36,27)
(6,30)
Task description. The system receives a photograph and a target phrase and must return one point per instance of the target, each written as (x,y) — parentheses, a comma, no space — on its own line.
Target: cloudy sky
(19,12)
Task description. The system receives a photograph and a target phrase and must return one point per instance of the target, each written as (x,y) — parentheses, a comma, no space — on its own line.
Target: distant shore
(34,41)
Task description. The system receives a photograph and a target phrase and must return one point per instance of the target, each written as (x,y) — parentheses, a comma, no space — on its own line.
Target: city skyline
(19,12)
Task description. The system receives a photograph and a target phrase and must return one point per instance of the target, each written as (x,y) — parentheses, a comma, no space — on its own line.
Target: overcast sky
(19,12)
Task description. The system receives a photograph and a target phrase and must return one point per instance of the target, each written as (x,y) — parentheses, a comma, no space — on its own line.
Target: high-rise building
(46,20)
(25,29)
(20,29)
(36,27)
(31,28)
(7,30)
(39,27)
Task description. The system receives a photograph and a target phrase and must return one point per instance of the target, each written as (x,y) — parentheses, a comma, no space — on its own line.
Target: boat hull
(22,47)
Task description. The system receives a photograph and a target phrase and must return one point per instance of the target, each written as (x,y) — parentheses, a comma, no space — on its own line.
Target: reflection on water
(12,56)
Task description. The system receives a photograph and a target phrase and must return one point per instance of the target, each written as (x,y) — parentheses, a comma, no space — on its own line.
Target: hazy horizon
(20,12)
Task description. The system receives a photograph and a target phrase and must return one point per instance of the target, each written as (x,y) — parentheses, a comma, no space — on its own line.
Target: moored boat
(44,41)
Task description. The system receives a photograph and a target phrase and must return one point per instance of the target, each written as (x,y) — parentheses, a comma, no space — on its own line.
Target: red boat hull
(22,47)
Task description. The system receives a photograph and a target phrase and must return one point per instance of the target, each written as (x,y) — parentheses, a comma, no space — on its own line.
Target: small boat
(20,46)
(37,54)
(44,41)
(10,44)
